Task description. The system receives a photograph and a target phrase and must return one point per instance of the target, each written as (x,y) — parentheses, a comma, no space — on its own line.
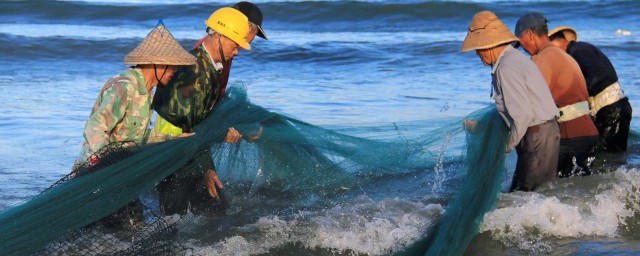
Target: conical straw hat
(569,33)
(486,31)
(159,47)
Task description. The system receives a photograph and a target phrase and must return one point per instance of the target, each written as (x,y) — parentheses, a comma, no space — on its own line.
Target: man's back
(595,66)
(562,73)
(522,96)
(567,86)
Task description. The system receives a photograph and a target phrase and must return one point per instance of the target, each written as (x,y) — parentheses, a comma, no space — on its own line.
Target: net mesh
(292,159)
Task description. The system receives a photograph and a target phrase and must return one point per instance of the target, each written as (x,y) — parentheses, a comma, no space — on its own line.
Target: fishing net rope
(292,158)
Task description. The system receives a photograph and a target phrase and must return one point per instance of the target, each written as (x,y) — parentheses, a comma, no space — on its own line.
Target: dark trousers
(537,157)
(576,156)
(613,125)
(131,216)
(179,194)
(186,189)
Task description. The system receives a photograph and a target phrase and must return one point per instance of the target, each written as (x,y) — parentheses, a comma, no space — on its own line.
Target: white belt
(606,97)
(573,111)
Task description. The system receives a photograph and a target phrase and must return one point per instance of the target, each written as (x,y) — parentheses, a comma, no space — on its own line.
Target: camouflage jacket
(121,113)
(190,94)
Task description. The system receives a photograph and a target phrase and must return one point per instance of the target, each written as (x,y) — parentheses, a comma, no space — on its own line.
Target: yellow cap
(231,23)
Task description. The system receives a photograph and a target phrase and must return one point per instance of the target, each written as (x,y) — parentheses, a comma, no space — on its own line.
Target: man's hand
(233,136)
(213,183)
(93,160)
(470,125)
(185,134)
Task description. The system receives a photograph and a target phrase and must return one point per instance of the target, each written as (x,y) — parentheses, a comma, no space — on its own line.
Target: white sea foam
(530,221)
(85,32)
(365,227)
(98,33)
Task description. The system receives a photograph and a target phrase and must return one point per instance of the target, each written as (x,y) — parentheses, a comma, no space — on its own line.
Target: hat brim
(568,32)
(159,47)
(261,33)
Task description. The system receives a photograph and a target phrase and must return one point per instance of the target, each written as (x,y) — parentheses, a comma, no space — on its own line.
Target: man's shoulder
(550,55)
(514,61)
(581,49)
(121,83)
(514,56)
(199,52)
(551,52)
(582,46)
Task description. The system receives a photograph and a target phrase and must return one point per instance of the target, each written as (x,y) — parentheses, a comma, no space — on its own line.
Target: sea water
(337,64)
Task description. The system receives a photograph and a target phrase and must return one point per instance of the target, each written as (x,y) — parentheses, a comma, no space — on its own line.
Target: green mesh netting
(478,194)
(292,158)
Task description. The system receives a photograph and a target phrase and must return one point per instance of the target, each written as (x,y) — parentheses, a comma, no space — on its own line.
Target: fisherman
(123,109)
(610,108)
(193,187)
(254,15)
(122,112)
(578,134)
(522,99)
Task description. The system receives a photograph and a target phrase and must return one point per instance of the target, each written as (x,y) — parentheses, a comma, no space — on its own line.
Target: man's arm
(111,110)
(516,103)
(174,101)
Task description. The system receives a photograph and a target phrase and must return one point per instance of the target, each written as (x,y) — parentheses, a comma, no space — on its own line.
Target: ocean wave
(99,33)
(363,227)
(178,2)
(146,2)
(593,206)
(109,43)
(318,14)
(289,37)
(86,32)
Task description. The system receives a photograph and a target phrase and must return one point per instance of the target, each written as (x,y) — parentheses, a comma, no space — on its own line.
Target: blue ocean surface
(336,64)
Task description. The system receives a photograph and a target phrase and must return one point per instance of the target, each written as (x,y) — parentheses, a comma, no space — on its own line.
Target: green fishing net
(292,159)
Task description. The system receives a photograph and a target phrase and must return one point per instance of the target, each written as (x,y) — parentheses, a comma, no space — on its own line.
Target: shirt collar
(506,49)
(216,65)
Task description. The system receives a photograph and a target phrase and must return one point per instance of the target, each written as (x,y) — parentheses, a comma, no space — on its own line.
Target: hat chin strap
(220,48)
(155,72)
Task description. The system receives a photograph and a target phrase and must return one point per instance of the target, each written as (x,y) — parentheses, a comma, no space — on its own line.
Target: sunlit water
(334,64)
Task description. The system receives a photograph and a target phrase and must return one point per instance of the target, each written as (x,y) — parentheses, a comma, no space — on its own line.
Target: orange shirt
(567,85)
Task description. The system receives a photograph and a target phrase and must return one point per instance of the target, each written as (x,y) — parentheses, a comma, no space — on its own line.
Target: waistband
(573,111)
(606,97)
(536,128)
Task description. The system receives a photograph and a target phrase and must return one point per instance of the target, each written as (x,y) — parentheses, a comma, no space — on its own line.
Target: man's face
(229,47)
(527,42)
(167,74)
(485,56)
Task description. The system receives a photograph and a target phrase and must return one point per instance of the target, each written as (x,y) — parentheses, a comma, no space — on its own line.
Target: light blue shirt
(522,96)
